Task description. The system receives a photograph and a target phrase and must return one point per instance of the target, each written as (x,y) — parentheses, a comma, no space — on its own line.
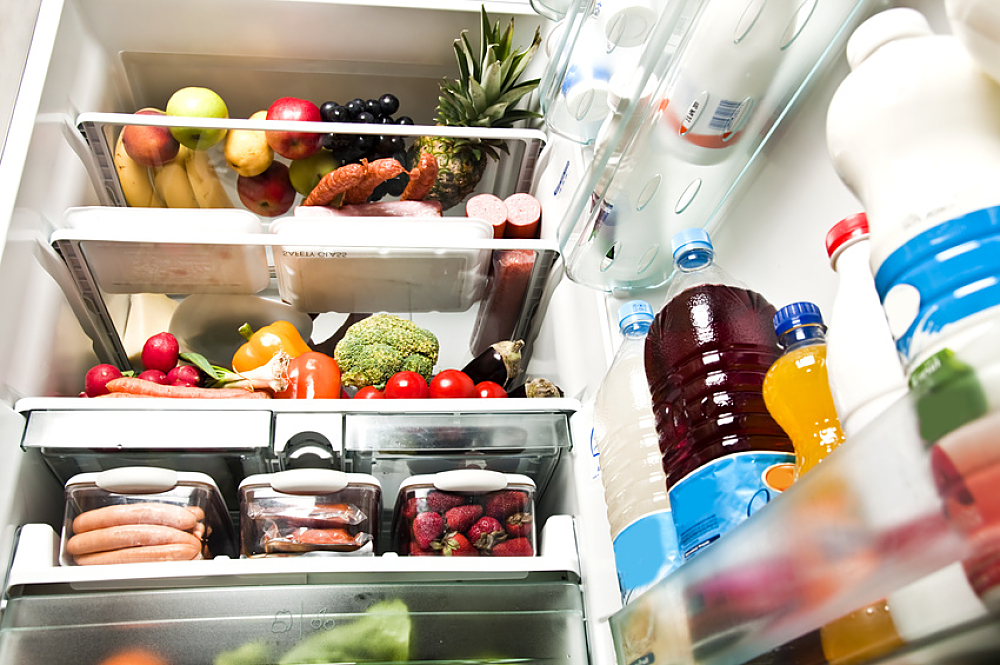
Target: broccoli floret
(374,349)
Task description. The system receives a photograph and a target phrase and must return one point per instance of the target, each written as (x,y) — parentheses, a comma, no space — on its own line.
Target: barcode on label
(725,115)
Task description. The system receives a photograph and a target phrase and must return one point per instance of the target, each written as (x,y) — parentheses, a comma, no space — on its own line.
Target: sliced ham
(376,209)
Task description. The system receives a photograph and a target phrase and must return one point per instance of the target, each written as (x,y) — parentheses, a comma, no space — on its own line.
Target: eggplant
(536,388)
(500,363)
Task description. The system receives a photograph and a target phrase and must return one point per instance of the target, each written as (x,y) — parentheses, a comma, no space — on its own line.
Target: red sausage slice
(524,213)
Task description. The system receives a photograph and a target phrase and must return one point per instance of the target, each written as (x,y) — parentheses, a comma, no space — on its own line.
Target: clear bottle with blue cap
(635,490)
(707,353)
(797,386)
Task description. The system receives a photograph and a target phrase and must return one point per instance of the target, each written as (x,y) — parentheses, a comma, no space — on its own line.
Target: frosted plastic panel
(714,79)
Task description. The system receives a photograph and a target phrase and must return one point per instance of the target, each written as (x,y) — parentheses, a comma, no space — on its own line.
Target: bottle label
(946,274)
(645,553)
(718,496)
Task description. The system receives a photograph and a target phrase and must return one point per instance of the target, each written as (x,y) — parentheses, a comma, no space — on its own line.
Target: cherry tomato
(452,383)
(406,385)
(369,392)
(489,389)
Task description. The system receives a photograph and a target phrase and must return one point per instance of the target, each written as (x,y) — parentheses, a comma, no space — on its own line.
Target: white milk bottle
(635,488)
(914,132)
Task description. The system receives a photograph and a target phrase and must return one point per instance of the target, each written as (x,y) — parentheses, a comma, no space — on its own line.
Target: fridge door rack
(513,174)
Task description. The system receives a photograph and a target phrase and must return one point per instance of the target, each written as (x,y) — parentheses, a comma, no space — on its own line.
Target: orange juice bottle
(797,389)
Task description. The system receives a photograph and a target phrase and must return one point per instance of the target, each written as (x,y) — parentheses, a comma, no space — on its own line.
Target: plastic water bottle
(977,24)
(865,372)
(642,530)
(706,356)
(914,132)
(797,387)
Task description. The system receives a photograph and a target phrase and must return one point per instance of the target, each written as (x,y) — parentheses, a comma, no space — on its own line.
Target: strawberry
(514,547)
(441,502)
(519,524)
(486,532)
(504,503)
(414,505)
(416,551)
(455,544)
(426,528)
(460,518)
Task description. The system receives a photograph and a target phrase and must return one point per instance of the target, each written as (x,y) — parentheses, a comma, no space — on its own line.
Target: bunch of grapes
(354,147)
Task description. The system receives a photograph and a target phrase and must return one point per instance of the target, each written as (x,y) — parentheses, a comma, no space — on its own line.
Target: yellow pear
(247,151)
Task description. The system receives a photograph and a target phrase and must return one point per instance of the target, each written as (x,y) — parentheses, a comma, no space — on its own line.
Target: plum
(160,352)
(96,381)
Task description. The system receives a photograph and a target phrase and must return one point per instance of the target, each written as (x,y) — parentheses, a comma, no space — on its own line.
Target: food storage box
(144,514)
(309,511)
(465,512)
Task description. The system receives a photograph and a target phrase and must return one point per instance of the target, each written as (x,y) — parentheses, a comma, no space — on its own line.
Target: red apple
(269,194)
(294,145)
(147,145)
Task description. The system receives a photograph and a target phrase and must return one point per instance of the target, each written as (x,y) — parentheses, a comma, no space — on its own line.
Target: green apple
(307,172)
(194,102)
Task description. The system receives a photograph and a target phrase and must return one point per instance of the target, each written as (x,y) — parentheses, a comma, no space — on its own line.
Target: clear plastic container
(466,512)
(144,514)
(309,511)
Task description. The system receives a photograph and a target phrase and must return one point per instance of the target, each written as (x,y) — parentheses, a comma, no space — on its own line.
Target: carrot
(128,535)
(174,552)
(164,514)
(378,171)
(336,182)
(422,177)
(135,386)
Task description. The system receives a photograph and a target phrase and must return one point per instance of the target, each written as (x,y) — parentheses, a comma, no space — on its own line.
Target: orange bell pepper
(313,375)
(261,345)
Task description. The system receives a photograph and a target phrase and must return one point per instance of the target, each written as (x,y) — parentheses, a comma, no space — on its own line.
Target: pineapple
(483,96)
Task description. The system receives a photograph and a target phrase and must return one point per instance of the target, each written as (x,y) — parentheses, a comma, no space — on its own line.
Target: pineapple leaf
(505,43)
(466,63)
(492,78)
(477,96)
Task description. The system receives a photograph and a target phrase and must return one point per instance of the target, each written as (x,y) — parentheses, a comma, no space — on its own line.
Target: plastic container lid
(882,28)
(468,480)
(308,481)
(795,315)
(846,231)
(141,480)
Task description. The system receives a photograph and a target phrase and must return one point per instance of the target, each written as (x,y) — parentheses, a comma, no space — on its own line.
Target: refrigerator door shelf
(529,609)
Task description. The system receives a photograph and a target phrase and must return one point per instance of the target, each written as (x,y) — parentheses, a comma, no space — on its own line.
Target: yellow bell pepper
(261,345)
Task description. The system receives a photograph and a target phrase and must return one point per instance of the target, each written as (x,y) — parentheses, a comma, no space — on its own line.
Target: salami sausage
(490,208)
(524,214)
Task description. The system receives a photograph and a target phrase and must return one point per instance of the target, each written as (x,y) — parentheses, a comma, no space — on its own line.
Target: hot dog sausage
(129,535)
(174,552)
(164,514)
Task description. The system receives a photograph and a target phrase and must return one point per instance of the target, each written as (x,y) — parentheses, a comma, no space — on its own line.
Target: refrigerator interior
(108,57)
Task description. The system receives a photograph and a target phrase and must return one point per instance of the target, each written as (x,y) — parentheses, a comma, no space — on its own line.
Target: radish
(154,375)
(160,352)
(184,375)
(96,381)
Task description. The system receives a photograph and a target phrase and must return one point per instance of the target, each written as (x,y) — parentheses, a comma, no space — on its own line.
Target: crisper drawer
(438,622)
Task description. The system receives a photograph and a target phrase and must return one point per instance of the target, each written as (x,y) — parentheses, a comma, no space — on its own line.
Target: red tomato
(369,392)
(312,375)
(452,383)
(406,385)
(489,389)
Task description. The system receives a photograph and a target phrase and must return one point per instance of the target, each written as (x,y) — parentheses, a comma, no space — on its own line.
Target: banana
(205,183)
(171,181)
(134,180)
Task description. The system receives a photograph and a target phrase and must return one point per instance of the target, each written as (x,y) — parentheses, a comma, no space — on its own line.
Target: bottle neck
(803,336)
(695,259)
(635,330)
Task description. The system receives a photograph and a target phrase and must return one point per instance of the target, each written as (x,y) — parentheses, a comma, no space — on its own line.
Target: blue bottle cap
(797,314)
(687,239)
(634,312)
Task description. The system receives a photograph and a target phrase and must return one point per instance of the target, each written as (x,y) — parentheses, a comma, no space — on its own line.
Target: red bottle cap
(846,229)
